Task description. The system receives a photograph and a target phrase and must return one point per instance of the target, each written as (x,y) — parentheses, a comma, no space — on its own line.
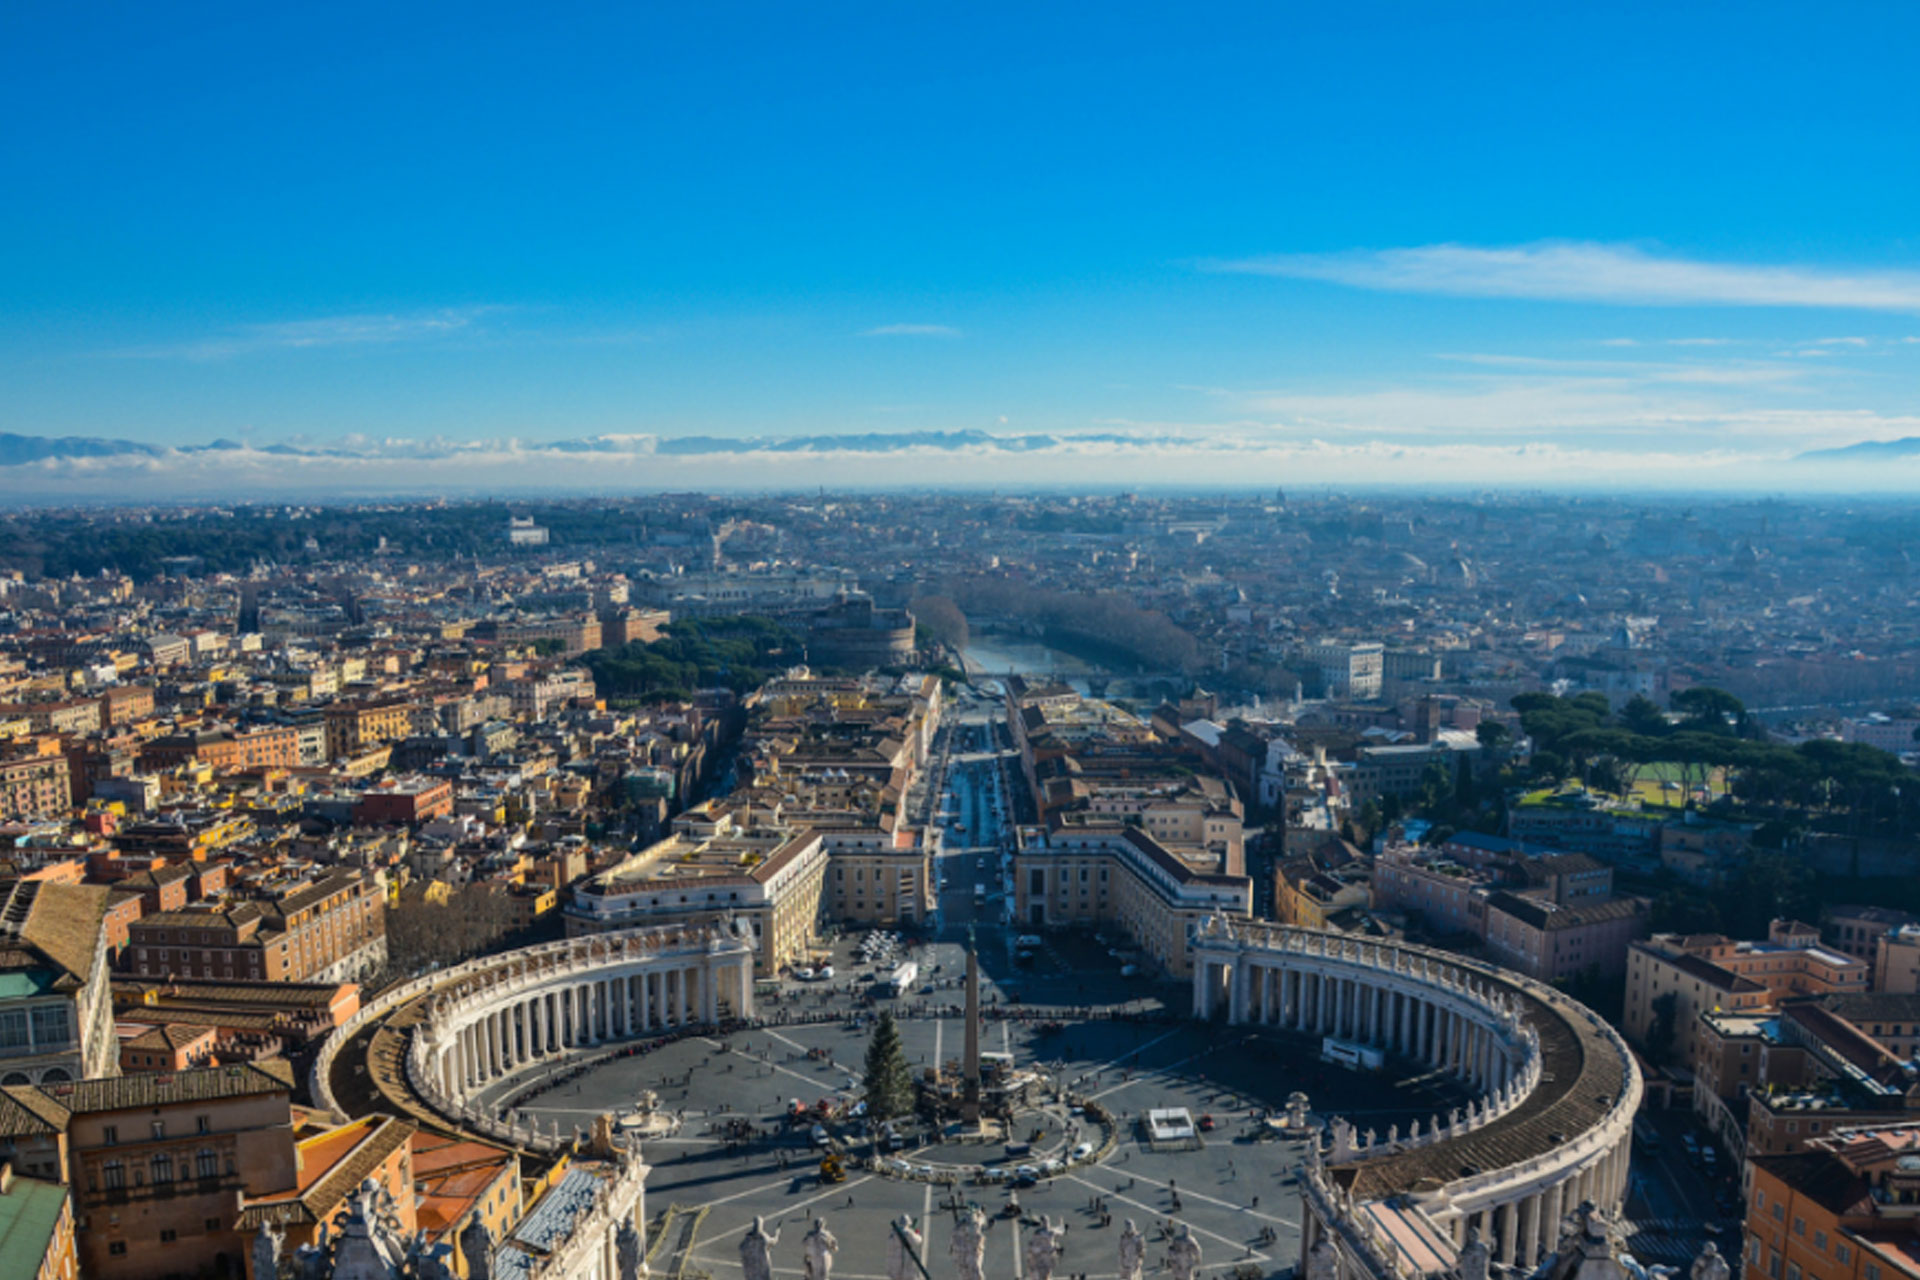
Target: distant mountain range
(1867,451)
(18,450)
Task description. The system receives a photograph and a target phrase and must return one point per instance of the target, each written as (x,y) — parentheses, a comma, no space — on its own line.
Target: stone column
(1509,1232)
(1529,1233)
(1556,1209)
(685,1005)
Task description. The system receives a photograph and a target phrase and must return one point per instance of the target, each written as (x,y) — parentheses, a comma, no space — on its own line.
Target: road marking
(814,1080)
(1199,1195)
(1252,1253)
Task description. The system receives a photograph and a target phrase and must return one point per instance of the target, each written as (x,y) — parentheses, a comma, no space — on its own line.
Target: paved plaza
(1232,1191)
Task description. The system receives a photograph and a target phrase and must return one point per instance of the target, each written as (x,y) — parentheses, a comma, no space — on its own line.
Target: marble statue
(1133,1252)
(1341,1130)
(476,1246)
(1322,1262)
(905,1246)
(1710,1265)
(265,1254)
(628,1250)
(1183,1255)
(1475,1258)
(756,1251)
(968,1246)
(1044,1247)
(819,1244)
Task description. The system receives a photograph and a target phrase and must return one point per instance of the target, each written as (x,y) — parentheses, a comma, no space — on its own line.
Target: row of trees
(737,653)
(1846,785)
(1104,621)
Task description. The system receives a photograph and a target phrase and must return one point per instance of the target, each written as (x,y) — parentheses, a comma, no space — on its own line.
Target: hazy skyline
(1259,244)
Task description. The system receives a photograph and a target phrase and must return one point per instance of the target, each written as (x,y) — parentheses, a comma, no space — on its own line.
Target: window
(110,1134)
(211,1224)
(168,1235)
(1820,1241)
(1872,1270)
(203,1124)
(113,1175)
(206,1163)
(118,1248)
(1800,1226)
(51,1025)
(160,1169)
(159,1130)
(1842,1254)
(13,1030)
(1793,1271)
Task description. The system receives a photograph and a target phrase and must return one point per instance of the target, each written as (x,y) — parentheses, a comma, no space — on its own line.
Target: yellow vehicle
(831,1170)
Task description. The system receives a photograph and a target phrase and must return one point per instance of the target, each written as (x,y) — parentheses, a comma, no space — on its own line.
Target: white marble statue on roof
(628,1252)
(1132,1252)
(905,1246)
(756,1250)
(819,1246)
(1710,1265)
(1475,1258)
(264,1254)
(968,1245)
(1183,1255)
(1044,1248)
(476,1246)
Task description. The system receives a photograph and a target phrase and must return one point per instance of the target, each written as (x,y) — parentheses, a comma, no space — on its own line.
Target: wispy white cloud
(1614,274)
(911,331)
(324,331)
(1842,342)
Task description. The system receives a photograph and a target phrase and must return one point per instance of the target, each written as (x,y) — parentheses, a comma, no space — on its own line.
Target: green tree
(1663,1030)
(1643,716)
(889,1080)
(1494,736)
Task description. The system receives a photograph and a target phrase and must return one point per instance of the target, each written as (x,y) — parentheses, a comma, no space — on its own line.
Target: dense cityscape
(386,883)
(850,641)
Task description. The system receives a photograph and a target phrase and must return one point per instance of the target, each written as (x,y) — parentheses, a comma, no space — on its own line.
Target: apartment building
(159,1164)
(355,727)
(1857,930)
(1548,941)
(1841,1210)
(1348,670)
(328,929)
(35,786)
(1705,972)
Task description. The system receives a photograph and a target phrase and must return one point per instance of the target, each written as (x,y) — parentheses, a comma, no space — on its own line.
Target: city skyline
(1251,246)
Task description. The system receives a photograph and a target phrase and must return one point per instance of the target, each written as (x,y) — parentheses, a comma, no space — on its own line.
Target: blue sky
(1688,229)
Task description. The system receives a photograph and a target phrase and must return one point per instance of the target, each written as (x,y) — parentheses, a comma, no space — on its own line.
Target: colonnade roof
(1582,1075)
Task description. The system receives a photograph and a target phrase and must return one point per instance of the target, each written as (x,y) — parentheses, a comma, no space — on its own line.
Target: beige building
(1122,876)
(1708,972)
(714,866)
(159,1164)
(1896,960)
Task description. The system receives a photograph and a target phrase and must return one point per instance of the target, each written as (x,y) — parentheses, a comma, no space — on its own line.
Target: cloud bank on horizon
(38,472)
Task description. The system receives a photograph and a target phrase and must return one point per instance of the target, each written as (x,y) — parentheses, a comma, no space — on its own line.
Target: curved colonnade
(428,1047)
(1551,1126)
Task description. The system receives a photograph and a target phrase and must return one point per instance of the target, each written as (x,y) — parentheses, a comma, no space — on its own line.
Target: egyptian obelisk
(970,1062)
